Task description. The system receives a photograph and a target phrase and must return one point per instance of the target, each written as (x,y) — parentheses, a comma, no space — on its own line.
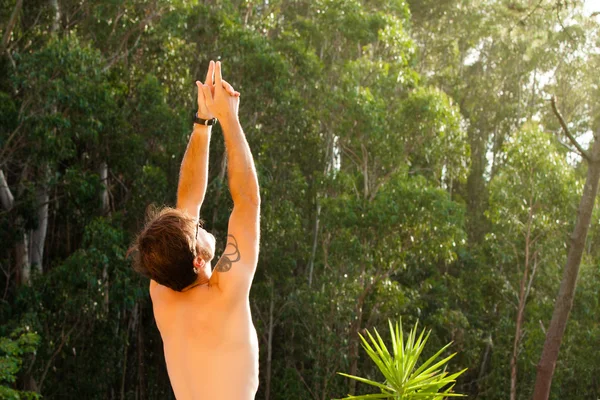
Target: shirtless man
(203,316)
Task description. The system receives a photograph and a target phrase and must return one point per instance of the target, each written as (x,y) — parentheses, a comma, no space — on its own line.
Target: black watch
(205,122)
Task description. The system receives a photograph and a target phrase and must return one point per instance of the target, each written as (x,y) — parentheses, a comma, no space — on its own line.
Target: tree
(566,293)
(529,202)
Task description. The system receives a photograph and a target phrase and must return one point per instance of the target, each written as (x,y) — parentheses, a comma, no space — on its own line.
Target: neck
(202,280)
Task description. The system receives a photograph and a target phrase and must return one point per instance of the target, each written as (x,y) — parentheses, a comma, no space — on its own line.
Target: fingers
(218,76)
(210,74)
(207,94)
(200,93)
(227,86)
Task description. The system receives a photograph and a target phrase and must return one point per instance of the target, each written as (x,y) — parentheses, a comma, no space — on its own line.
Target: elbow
(254,196)
(251,199)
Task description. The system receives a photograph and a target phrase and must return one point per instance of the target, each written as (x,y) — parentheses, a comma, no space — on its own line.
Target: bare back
(210,343)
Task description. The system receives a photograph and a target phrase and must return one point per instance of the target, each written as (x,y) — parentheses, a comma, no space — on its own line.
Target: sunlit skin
(210,343)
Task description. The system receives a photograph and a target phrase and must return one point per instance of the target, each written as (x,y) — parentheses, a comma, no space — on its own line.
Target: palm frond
(403,380)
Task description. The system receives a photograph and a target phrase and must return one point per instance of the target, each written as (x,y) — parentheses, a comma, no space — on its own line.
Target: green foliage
(403,150)
(13,350)
(403,380)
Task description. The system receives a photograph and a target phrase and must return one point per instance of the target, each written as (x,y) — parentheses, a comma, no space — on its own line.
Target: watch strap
(206,122)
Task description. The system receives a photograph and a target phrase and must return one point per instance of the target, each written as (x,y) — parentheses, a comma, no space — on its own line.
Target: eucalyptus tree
(491,57)
(530,200)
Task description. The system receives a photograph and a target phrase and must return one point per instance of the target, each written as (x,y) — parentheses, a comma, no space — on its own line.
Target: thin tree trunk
(56,20)
(38,235)
(311,263)
(517,339)
(270,346)
(486,356)
(355,329)
(103,172)
(22,265)
(476,186)
(130,326)
(141,350)
(105,211)
(566,293)
(330,158)
(523,292)
(365,171)
(356,326)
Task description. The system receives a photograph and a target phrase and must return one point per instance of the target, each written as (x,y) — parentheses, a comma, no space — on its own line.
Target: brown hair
(165,248)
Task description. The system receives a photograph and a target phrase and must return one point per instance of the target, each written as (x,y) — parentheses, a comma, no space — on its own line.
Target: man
(203,316)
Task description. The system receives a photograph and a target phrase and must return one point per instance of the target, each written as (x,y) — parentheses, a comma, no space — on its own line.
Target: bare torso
(210,343)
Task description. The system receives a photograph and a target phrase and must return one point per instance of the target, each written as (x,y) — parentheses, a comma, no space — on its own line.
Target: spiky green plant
(403,381)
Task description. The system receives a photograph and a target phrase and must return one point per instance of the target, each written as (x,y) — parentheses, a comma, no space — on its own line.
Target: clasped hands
(216,97)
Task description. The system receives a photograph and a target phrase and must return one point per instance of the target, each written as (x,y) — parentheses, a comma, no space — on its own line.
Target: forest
(423,161)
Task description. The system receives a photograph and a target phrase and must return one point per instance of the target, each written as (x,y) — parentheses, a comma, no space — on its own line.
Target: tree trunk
(484,362)
(130,326)
(517,340)
(311,263)
(22,265)
(353,345)
(523,294)
(476,186)
(105,211)
(140,350)
(354,330)
(566,293)
(104,193)
(56,19)
(270,346)
(38,235)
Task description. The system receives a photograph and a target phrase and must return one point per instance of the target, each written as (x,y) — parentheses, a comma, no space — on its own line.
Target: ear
(199,262)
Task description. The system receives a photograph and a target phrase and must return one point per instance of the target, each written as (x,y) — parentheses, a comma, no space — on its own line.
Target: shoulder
(161,296)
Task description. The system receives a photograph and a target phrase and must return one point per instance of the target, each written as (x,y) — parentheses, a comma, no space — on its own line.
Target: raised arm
(237,265)
(194,171)
(193,175)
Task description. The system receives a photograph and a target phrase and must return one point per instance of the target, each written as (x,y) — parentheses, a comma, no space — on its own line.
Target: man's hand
(221,101)
(203,110)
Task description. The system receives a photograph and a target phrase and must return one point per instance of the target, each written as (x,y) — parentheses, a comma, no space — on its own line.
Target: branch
(11,24)
(535,264)
(24,34)
(64,339)
(10,138)
(522,20)
(583,153)
(566,146)
(141,26)
(560,21)
(305,384)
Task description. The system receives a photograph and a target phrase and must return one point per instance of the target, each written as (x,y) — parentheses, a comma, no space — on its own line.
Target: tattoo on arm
(231,255)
